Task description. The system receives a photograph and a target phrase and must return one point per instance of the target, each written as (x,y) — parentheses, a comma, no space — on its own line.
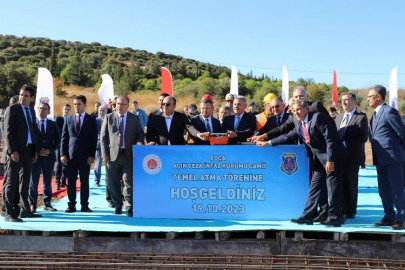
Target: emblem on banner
(152,164)
(289,164)
(44,100)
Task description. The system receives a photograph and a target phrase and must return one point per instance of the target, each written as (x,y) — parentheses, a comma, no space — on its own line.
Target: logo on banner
(152,164)
(44,100)
(289,164)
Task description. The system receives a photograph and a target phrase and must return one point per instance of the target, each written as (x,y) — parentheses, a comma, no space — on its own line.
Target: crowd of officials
(334,141)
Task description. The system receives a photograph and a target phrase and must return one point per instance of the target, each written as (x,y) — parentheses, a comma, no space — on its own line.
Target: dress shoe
(29,215)
(58,187)
(384,223)
(49,208)
(63,185)
(130,213)
(333,222)
(33,209)
(3,214)
(70,210)
(302,221)
(319,219)
(111,205)
(398,226)
(86,209)
(118,211)
(9,218)
(344,217)
(350,216)
(96,184)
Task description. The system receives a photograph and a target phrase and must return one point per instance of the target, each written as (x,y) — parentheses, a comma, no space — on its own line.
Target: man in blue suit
(47,142)
(276,120)
(78,148)
(205,122)
(386,135)
(328,155)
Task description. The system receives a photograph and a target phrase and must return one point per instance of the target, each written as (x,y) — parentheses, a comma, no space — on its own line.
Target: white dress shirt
(26,120)
(125,125)
(168,120)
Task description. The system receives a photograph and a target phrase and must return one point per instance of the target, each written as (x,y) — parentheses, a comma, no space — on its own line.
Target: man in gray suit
(119,132)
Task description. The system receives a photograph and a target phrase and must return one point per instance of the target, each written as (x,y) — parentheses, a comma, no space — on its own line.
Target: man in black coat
(60,173)
(276,120)
(205,122)
(241,125)
(160,110)
(48,141)
(168,129)
(328,155)
(78,148)
(20,138)
(353,132)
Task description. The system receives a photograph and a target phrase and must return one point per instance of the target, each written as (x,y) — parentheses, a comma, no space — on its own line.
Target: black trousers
(78,166)
(323,198)
(60,172)
(18,178)
(350,188)
(334,183)
(44,165)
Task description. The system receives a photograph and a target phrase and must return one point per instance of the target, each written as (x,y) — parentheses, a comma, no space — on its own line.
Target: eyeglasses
(42,108)
(167,104)
(277,106)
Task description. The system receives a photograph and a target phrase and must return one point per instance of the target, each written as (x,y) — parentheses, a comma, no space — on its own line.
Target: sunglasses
(167,104)
(277,106)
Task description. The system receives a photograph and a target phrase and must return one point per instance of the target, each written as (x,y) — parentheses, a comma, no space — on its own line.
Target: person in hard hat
(261,118)
(229,100)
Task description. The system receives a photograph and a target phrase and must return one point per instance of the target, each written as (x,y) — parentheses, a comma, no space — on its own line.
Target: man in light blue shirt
(141,113)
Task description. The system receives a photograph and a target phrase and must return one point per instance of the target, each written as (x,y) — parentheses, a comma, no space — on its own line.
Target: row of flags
(45,92)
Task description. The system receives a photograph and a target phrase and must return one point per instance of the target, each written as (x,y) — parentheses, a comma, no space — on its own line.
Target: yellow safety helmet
(269,97)
(229,97)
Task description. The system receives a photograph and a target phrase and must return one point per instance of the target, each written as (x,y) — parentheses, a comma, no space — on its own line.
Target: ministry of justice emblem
(152,164)
(44,100)
(289,164)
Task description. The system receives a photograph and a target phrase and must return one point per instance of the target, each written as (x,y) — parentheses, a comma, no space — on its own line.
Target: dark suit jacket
(157,129)
(325,144)
(199,123)
(110,135)
(52,139)
(157,112)
(290,123)
(388,138)
(60,122)
(354,136)
(246,127)
(82,145)
(94,114)
(271,123)
(403,119)
(16,129)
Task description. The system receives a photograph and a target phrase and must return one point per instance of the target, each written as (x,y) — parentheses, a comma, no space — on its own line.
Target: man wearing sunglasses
(279,117)
(168,129)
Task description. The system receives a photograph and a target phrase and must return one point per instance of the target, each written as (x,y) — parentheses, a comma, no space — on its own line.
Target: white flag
(45,90)
(106,90)
(285,88)
(234,82)
(394,89)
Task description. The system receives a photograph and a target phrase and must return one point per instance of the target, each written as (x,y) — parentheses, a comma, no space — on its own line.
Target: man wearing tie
(120,131)
(279,117)
(328,155)
(239,125)
(48,141)
(60,173)
(20,137)
(205,122)
(387,137)
(353,132)
(78,148)
(168,129)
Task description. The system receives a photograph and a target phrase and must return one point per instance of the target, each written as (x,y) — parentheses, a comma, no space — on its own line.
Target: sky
(362,40)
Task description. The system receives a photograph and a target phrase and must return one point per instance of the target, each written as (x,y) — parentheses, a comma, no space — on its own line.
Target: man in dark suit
(120,131)
(387,137)
(20,137)
(95,113)
(160,110)
(13,100)
(48,141)
(276,120)
(328,155)
(239,125)
(168,129)
(102,112)
(60,173)
(205,122)
(78,148)
(353,132)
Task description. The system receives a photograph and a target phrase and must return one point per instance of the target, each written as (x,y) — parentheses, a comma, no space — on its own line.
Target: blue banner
(241,182)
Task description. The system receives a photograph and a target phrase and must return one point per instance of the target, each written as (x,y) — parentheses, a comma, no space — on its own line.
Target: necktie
(30,126)
(208,125)
(306,136)
(345,121)
(374,120)
(278,120)
(237,122)
(43,129)
(121,131)
(78,124)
